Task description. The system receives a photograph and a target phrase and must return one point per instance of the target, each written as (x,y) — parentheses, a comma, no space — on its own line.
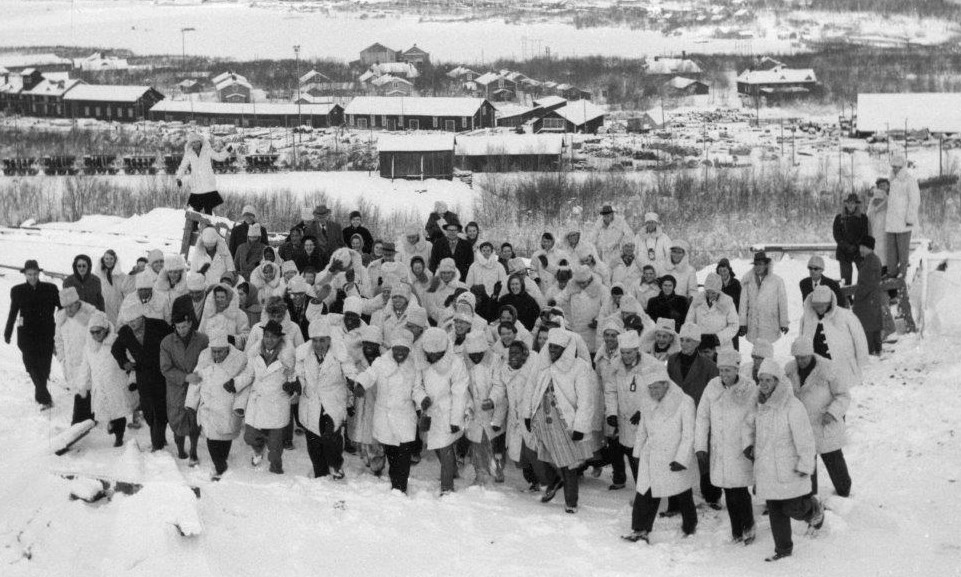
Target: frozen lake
(239,31)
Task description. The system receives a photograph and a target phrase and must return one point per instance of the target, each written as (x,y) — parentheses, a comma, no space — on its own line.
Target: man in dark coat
(692,372)
(179,352)
(192,303)
(668,304)
(356,228)
(452,246)
(849,228)
(328,233)
(437,220)
(32,305)
(868,296)
(86,283)
(816,278)
(238,234)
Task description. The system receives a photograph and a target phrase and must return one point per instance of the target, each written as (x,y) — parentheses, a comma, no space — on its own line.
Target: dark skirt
(206,202)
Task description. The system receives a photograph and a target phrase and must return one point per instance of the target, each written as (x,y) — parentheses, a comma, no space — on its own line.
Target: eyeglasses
(813,268)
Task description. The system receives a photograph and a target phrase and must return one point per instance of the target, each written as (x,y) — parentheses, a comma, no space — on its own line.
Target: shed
(581,116)
(510,152)
(933,111)
(416,156)
(110,102)
(232,87)
(376,53)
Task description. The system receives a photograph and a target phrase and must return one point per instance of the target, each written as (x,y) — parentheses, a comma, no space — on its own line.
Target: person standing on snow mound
(868,297)
(901,218)
(198,158)
(849,228)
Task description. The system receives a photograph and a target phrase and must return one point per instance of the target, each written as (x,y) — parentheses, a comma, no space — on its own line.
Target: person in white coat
(323,402)
(172,280)
(546,262)
(413,244)
(901,218)
(269,376)
(610,233)
(625,393)
(560,413)
(626,268)
(395,410)
(442,393)
(836,333)
(583,296)
(213,396)
(679,266)
(102,378)
(763,311)
(714,312)
(114,283)
(652,245)
(357,357)
(70,340)
(511,381)
(442,287)
(728,401)
(664,447)
(486,403)
(782,446)
(487,271)
(211,257)
(198,159)
(222,310)
(826,398)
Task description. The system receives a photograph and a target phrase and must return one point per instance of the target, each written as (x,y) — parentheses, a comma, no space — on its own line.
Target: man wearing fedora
(32,308)
(454,247)
(328,233)
(849,228)
(904,203)
(763,307)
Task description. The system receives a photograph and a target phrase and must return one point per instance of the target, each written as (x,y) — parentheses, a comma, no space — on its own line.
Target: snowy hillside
(904,516)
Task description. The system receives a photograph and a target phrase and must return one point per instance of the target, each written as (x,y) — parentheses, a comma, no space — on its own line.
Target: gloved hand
(827,419)
(192,411)
(577,436)
(675,466)
(612,421)
(426,404)
(497,288)
(542,258)
(434,284)
(551,303)
(636,418)
(132,387)
(449,300)
(351,411)
(742,332)
(349,274)
(487,405)
(592,324)
(229,386)
(495,428)
(801,473)
(6,339)
(292,387)
(380,281)
(180,183)
(784,330)
(702,460)
(454,429)
(749,453)
(204,269)
(527,425)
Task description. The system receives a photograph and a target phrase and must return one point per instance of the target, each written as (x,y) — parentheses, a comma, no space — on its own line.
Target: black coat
(807,287)
(733,290)
(238,236)
(527,308)
(671,307)
(699,375)
(463,255)
(184,304)
(364,234)
(88,285)
(36,305)
(317,260)
(434,232)
(868,296)
(146,355)
(849,229)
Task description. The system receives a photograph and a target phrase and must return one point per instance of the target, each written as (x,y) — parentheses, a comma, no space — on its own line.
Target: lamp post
(183,46)
(300,120)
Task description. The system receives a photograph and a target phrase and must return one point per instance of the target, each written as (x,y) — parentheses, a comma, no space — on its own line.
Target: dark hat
(274,328)
(355,213)
(31,265)
(617,291)
(454,223)
(548,236)
(389,247)
(761,257)
(853,197)
(607,209)
(321,209)
(180,316)
(709,341)
(868,241)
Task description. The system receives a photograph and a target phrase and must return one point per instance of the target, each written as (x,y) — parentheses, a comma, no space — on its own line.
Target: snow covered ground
(903,518)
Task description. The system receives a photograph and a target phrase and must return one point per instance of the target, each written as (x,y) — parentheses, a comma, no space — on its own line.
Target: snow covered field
(903,518)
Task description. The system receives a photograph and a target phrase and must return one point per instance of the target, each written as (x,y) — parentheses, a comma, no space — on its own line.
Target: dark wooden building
(110,102)
(232,87)
(46,98)
(416,56)
(249,114)
(418,156)
(451,114)
(581,116)
(377,53)
(510,152)
(680,87)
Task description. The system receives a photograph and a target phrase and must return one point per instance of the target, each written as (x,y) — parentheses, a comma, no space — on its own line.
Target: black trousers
(219,451)
(874,342)
(710,493)
(81,409)
(645,510)
(37,364)
(847,270)
(781,512)
(325,453)
(448,466)
(294,419)
(615,453)
(117,427)
(398,462)
(739,510)
(837,470)
(155,414)
(570,478)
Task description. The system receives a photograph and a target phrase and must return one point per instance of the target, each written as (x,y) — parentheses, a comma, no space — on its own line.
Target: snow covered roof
(672,66)
(415,143)
(367,76)
(509,144)
(414,106)
(225,75)
(377,47)
(937,112)
(311,99)
(487,78)
(509,109)
(580,112)
(395,68)
(549,101)
(387,79)
(778,76)
(231,80)
(414,50)
(49,87)
(107,92)
(313,76)
(188,83)
(460,71)
(243,108)
(31,60)
(680,82)
(4,70)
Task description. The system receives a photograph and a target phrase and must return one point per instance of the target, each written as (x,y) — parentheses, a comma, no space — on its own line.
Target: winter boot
(636,536)
(777,557)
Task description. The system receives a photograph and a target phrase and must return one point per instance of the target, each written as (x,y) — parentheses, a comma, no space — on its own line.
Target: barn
(232,87)
(110,102)
(452,114)
(377,53)
(419,156)
(510,152)
(581,116)
(249,113)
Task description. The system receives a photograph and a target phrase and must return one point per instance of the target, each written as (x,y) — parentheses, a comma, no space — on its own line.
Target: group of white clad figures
(593,382)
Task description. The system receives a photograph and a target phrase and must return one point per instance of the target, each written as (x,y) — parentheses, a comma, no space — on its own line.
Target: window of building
(435,122)
(96,110)
(463,122)
(362,123)
(554,123)
(413,124)
(86,111)
(450,125)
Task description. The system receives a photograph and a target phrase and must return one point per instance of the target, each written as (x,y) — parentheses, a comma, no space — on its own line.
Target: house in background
(399,69)
(232,87)
(46,98)
(419,156)
(97,61)
(377,53)
(777,82)
(414,55)
(190,86)
(512,115)
(680,87)
(248,114)
(110,102)
(509,152)
(46,62)
(495,87)
(312,77)
(388,85)
(581,116)
(670,67)
(452,114)
(549,103)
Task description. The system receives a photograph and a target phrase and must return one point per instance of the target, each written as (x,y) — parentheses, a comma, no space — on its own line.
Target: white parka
(608,239)
(904,202)
(214,404)
(115,291)
(487,272)
(446,382)
(100,374)
(585,308)
(683,272)
(70,342)
(719,319)
(625,393)
(481,388)
(324,388)
(783,445)
(763,309)
(395,415)
(656,243)
(268,405)
(220,264)
(513,385)
(721,418)
(202,177)
(575,389)
(823,392)
(847,343)
(232,320)
(407,251)
(665,435)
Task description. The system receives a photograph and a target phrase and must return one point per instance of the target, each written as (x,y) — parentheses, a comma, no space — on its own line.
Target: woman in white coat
(211,257)
(679,266)
(487,271)
(323,402)
(763,310)
(395,414)
(114,283)
(664,447)
(198,159)
(487,442)
(583,296)
(413,244)
(222,311)
(714,312)
(266,381)
(836,334)
(70,341)
(728,401)
(102,378)
(444,398)
(211,398)
(783,450)
(511,381)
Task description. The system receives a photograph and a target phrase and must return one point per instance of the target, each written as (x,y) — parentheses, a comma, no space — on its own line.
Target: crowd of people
(602,351)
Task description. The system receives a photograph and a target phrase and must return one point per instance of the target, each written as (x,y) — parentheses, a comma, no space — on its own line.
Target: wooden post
(192,224)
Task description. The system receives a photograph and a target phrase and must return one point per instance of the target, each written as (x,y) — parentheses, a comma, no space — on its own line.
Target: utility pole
(300,120)
(183,47)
